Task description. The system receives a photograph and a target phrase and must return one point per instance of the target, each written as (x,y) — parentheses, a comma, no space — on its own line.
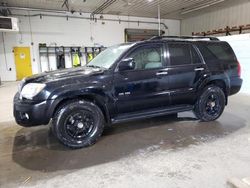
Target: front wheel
(210,105)
(78,124)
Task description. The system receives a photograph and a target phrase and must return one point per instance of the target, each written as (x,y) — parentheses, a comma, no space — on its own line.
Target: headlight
(31,90)
(20,85)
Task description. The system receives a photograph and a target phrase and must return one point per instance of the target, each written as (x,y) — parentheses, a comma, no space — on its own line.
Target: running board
(150,113)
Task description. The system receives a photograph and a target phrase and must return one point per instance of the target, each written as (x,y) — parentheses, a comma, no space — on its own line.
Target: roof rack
(184,38)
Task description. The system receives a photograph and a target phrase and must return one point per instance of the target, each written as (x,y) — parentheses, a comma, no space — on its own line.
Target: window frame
(196,49)
(148,45)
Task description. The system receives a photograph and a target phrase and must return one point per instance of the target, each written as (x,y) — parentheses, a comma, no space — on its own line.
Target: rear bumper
(235,84)
(30,114)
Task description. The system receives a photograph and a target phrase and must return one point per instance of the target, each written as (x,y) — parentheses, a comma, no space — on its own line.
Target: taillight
(239,69)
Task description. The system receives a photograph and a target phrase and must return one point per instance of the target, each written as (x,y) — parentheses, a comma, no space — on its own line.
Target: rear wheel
(210,105)
(78,124)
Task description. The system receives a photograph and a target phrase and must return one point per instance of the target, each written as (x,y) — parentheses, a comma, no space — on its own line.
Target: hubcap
(212,104)
(80,125)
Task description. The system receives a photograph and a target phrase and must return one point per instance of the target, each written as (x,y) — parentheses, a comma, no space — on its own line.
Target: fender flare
(100,99)
(213,79)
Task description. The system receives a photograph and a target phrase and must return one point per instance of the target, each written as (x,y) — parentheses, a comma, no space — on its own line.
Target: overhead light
(128,2)
(201,7)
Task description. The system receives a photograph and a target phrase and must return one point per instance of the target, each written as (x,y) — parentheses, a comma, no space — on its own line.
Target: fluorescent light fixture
(201,7)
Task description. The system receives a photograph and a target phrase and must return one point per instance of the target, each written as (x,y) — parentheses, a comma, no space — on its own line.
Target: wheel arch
(97,100)
(219,82)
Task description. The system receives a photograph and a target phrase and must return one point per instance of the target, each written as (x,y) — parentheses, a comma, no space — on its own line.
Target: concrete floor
(158,152)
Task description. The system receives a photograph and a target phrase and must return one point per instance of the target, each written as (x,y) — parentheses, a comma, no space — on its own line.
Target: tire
(78,124)
(211,103)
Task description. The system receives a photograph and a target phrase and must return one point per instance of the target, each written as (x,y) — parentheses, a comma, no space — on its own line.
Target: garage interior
(155,152)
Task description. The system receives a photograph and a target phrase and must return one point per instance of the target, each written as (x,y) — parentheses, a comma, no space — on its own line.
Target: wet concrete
(34,152)
(29,156)
(7,92)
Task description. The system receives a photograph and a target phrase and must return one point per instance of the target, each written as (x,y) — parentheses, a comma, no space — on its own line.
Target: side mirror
(127,64)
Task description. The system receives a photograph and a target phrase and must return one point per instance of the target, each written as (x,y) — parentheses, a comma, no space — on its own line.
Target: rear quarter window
(213,51)
(222,51)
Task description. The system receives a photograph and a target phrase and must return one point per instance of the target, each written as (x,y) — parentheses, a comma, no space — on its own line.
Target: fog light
(26,116)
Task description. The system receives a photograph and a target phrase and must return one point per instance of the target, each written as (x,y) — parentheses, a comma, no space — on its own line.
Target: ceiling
(173,9)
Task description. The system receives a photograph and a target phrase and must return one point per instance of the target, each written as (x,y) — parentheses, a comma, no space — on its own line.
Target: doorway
(23,62)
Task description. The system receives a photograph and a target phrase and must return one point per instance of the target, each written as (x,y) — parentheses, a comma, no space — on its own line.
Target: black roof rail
(183,38)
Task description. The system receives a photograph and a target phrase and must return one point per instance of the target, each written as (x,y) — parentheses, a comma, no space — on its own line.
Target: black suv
(160,76)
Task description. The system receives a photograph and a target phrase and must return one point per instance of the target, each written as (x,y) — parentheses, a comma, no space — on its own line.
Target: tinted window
(148,57)
(214,51)
(206,53)
(179,54)
(221,51)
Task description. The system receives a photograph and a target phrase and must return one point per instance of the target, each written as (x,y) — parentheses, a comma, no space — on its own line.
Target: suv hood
(64,74)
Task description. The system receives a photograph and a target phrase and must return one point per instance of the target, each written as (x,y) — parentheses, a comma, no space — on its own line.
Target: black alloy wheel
(210,104)
(78,124)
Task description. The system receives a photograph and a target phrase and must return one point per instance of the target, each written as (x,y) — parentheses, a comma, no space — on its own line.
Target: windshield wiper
(94,66)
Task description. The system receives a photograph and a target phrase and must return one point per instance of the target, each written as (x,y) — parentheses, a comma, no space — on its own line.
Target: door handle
(199,69)
(161,73)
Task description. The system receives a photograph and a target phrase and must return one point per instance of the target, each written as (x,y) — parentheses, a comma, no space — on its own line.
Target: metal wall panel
(170,9)
(230,16)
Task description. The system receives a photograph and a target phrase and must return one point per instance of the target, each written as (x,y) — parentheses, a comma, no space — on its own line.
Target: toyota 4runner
(164,75)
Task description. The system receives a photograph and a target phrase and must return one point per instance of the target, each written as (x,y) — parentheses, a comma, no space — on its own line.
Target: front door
(23,62)
(146,86)
(185,72)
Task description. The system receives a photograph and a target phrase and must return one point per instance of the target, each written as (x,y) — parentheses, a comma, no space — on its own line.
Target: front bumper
(31,113)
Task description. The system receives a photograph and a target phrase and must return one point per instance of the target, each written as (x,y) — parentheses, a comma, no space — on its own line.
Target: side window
(206,53)
(217,51)
(179,54)
(221,51)
(148,57)
(195,57)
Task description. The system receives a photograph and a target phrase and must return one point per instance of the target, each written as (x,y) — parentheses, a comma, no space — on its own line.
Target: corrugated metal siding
(230,16)
(170,9)
(148,8)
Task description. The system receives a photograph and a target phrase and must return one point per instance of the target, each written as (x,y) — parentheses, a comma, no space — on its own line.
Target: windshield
(109,56)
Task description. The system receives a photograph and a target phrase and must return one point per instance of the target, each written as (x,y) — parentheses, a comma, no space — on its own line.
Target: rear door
(185,71)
